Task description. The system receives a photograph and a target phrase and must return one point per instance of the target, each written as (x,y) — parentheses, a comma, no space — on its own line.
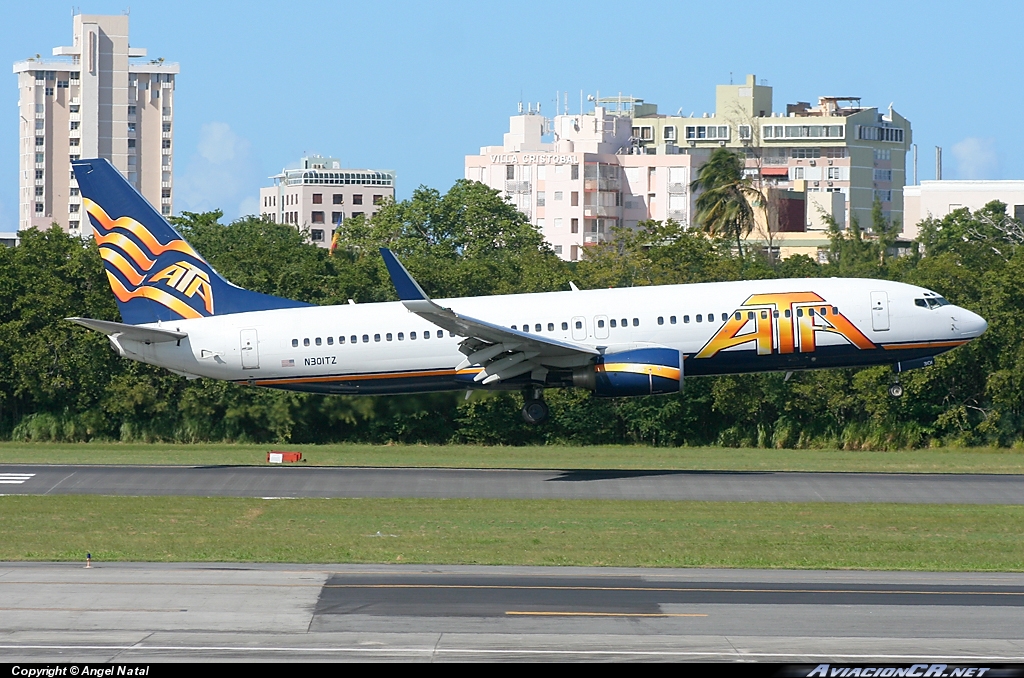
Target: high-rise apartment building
(320,194)
(98,97)
(578,176)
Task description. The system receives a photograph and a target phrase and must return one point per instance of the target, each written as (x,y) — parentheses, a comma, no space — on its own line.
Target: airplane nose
(972,325)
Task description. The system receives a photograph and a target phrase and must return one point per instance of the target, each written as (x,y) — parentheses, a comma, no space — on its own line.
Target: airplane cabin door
(879,311)
(601,327)
(579,328)
(250,350)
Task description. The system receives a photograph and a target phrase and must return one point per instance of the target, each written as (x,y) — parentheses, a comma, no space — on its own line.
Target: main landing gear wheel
(535,412)
(896,390)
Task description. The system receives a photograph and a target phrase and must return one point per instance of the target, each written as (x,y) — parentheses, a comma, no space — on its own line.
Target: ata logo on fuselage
(188,279)
(783,322)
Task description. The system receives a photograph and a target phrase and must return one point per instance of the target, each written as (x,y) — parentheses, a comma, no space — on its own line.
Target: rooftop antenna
(938,163)
(730,77)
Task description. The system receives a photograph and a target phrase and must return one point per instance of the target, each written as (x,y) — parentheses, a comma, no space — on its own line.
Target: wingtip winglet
(405,285)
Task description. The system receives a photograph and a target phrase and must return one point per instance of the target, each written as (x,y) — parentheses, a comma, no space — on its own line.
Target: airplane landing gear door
(879,311)
(250,350)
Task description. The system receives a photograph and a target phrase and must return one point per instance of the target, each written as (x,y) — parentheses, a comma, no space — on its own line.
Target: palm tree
(723,206)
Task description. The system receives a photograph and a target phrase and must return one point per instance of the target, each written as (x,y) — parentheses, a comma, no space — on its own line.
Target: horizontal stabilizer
(149,335)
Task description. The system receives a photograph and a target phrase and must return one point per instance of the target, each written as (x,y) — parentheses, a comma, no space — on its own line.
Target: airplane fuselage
(718,328)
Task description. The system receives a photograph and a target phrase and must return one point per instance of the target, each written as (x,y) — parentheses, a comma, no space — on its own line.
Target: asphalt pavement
(134,612)
(306,481)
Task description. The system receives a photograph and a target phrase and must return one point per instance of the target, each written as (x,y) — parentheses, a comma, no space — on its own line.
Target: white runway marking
(14,478)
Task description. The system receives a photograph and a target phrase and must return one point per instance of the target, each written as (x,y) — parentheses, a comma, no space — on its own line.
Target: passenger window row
(354,339)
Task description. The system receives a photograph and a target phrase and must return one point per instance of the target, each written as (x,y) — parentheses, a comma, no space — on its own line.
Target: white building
(938,198)
(95,98)
(320,194)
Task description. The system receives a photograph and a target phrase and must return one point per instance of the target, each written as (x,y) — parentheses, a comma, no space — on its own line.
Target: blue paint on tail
(154,274)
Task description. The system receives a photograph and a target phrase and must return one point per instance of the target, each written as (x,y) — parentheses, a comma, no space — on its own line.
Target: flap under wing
(502,352)
(149,335)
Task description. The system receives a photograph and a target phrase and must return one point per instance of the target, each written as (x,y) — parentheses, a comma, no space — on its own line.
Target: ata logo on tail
(130,249)
(785,322)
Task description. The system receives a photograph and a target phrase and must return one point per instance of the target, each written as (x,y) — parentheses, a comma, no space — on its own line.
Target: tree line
(61,382)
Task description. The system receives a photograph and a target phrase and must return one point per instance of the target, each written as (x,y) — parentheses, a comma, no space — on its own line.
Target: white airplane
(181,315)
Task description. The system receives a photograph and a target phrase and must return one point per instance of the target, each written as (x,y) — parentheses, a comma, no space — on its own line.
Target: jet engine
(634,372)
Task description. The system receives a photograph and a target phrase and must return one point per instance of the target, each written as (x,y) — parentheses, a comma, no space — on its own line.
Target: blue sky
(416,86)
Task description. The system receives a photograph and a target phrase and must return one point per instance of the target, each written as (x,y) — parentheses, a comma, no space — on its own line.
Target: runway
(298,481)
(156,612)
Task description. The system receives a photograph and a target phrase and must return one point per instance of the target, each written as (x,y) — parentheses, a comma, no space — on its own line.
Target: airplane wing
(502,352)
(148,335)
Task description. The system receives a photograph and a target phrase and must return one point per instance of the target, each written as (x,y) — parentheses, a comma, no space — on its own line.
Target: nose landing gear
(535,410)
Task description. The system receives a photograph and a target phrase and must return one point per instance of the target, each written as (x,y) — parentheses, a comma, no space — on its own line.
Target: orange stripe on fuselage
(365,377)
(927,344)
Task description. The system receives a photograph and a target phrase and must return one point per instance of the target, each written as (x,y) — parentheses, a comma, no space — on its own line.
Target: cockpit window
(931,302)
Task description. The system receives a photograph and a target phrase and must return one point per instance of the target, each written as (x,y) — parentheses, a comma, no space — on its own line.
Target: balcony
(601,184)
(592,211)
(679,216)
(677,188)
(774,160)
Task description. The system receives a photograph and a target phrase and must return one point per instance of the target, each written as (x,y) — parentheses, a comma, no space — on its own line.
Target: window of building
(318,198)
(574,198)
(131,143)
(75,191)
(540,199)
(669,133)
(39,190)
(880,174)
(806,152)
(870,133)
(75,75)
(357,199)
(510,172)
(40,141)
(646,133)
(558,195)
(574,225)
(883,196)
(49,91)
(336,218)
(39,208)
(835,152)
(745,132)
(62,84)
(338,199)
(166,143)
(165,193)
(317,218)
(574,173)
(798,173)
(356,214)
(716,132)
(378,199)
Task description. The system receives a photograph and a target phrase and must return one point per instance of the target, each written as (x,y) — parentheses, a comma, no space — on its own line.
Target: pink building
(588,178)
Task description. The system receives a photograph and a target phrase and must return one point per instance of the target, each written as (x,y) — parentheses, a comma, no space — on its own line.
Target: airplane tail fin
(154,274)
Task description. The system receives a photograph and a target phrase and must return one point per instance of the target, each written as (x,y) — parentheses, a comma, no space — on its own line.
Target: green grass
(974,460)
(514,532)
